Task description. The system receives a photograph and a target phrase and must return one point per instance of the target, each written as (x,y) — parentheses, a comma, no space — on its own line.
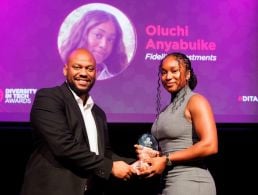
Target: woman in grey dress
(185,130)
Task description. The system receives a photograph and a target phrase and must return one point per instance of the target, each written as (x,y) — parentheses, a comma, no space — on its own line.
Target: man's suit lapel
(74,105)
(99,121)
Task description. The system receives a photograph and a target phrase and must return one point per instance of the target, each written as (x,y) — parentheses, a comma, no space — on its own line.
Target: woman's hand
(145,153)
(156,166)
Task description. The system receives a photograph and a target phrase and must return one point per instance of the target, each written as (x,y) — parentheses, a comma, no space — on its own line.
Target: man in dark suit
(72,153)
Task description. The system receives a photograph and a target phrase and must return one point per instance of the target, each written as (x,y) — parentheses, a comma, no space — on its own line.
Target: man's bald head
(80,52)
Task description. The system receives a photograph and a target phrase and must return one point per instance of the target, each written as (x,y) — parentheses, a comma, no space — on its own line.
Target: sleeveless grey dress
(174,133)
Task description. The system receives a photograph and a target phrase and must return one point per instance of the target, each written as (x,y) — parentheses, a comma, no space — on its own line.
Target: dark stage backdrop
(220,37)
(234,167)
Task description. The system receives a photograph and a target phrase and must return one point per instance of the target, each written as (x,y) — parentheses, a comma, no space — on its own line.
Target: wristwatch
(168,161)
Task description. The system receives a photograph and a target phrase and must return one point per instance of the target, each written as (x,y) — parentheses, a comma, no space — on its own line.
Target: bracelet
(168,161)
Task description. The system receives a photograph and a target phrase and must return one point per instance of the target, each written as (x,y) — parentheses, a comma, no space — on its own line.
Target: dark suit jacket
(62,163)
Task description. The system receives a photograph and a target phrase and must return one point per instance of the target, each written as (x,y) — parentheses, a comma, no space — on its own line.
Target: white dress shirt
(89,122)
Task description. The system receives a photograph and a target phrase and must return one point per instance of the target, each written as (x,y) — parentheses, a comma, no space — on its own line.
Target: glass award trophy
(149,149)
(149,141)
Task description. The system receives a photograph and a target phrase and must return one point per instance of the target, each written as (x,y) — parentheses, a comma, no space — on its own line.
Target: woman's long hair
(183,60)
(117,60)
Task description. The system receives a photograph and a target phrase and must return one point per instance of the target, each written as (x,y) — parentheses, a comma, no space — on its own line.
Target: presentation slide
(219,37)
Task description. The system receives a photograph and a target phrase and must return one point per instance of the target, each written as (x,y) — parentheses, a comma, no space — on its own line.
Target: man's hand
(122,170)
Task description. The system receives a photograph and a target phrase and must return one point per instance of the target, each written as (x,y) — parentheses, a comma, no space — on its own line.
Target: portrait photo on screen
(105,31)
